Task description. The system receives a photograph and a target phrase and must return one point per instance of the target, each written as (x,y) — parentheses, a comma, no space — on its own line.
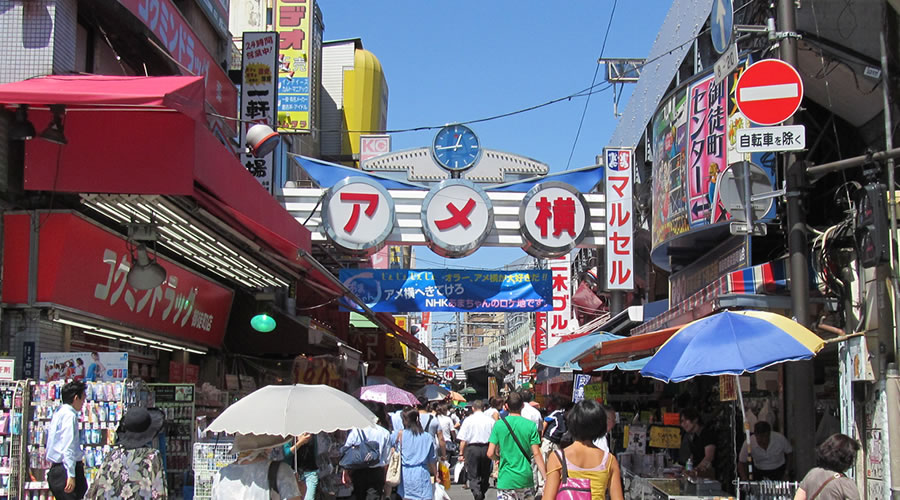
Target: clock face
(456,147)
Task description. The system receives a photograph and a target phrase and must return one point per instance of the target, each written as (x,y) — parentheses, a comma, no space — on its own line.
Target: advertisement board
(405,290)
(693,139)
(292,21)
(260,70)
(619,171)
(87,366)
(559,320)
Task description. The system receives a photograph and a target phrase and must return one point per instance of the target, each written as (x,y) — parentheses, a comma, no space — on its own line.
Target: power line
(593,82)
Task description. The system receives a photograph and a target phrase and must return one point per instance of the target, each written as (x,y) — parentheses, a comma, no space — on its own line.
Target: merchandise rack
(14,400)
(177,402)
(208,459)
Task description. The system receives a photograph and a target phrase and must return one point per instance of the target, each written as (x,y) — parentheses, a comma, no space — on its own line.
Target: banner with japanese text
(619,218)
(559,320)
(260,65)
(292,22)
(706,146)
(406,290)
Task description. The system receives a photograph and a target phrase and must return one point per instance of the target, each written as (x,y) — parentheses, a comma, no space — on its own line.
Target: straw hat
(253,442)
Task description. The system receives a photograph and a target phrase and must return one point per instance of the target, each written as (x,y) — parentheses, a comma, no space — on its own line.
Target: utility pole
(458,339)
(798,375)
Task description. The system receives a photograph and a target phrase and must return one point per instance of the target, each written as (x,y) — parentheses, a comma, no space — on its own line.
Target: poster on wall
(86,366)
(669,130)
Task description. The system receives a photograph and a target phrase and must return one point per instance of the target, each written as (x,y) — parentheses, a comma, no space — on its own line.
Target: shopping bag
(444,473)
(457,472)
(361,455)
(440,493)
(392,476)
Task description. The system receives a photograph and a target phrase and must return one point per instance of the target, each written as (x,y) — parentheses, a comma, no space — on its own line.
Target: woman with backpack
(581,470)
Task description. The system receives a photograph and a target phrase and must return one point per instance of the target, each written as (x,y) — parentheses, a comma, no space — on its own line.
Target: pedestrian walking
(513,436)
(301,456)
(253,475)
(417,457)
(583,461)
(369,481)
(135,454)
(66,475)
(474,436)
(827,481)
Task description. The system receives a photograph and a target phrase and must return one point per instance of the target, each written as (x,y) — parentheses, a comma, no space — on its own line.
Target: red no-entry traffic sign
(769,92)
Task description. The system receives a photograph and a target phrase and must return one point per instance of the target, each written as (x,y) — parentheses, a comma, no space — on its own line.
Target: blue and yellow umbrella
(731,343)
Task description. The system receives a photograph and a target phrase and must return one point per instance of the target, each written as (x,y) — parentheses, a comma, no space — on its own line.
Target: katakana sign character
(457,217)
(371,201)
(618,275)
(619,183)
(619,243)
(618,214)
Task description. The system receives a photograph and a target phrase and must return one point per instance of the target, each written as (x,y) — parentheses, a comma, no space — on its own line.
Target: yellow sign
(665,437)
(594,391)
(402,322)
(292,22)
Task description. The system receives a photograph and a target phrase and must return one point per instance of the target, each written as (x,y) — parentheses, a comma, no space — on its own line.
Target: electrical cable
(593,82)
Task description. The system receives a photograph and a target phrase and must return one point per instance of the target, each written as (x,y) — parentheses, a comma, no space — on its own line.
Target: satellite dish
(730,186)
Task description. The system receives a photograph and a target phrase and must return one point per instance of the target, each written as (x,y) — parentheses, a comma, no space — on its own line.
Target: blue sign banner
(581,380)
(408,290)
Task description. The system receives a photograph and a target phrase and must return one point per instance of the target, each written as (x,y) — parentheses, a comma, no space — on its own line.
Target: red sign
(769,92)
(178,39)
(84,267)
(449,374)
(539,339)
(176,372)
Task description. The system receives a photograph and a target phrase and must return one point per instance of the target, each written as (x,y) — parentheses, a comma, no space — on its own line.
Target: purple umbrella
(387,394)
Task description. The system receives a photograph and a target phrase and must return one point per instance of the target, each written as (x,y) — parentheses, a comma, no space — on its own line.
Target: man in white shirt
(772,454)
(604,442)
(66,475)
(473,444)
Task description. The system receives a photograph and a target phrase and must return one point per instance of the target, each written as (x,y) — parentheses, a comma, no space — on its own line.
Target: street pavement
(457,492)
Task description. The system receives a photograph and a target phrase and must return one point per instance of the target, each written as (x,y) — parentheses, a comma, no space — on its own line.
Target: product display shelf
(208,459)
(13,398)
(103,409)
(176,440)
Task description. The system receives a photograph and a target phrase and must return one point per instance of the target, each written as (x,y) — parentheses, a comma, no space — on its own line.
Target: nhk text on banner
(87,366)
(404,290)
(292,22)
(260,69)
(619,219)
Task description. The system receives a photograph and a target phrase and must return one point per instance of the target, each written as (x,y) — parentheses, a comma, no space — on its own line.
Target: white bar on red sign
(619,218)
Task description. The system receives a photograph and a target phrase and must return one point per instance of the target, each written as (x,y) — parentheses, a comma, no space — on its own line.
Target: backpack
(571,488)
(557,427)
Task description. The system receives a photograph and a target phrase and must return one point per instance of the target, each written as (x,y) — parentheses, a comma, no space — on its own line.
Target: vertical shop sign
(560,318)
(292,22)
(539,339)
(581,380)
(259,69)
(27,359)
(706,146)
(619,219)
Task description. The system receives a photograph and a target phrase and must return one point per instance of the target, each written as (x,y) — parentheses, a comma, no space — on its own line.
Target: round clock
(456,147)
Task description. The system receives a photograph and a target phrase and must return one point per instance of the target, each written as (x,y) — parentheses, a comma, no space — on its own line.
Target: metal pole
(892,194)
(748,212)
(799,376)
(852,162)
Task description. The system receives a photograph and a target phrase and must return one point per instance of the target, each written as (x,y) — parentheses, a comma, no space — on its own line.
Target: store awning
(564,354)
(358,320)
(625,349)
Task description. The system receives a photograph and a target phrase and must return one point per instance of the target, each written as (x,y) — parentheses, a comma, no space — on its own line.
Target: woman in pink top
(587,466)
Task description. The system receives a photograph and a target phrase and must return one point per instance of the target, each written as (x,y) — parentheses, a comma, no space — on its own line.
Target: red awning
(184,94)
(407,338)
(627,349)
(120,143)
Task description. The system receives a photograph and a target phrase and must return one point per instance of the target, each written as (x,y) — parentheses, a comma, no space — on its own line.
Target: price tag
(665,437)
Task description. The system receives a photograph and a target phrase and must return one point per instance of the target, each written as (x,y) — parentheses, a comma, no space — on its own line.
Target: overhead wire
(587,101)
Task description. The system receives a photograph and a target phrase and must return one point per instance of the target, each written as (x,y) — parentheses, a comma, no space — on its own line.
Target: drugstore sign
(83,267)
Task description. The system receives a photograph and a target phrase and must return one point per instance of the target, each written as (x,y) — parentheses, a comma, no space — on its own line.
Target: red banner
(84,267)
(166,22)
(539,339)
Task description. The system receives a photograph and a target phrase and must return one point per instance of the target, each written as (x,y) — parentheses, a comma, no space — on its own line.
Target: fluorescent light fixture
(95,334)
(75,323)
(160,348)
(195,351)
(133,342)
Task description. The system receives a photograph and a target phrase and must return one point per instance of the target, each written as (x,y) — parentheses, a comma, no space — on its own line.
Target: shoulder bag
(571,488)
(272,476)
(395,464)
(516,439)
(362,455)
(830,479)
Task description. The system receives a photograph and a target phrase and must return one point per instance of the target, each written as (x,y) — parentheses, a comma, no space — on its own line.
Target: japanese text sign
(619,218)
(706,146)
(559,320)
(403,290)
(84,267)
(665,437)
(292,22)
(774,139)
(260,70)
(178,39)
(7,369)
(554,219)
(578,385)
(457,216)
(539,338)
(358,214)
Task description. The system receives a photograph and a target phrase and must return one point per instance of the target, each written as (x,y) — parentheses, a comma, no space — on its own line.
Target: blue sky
(463,60)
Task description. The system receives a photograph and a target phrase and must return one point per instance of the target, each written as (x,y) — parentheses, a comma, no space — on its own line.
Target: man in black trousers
(473,443)
(66,475)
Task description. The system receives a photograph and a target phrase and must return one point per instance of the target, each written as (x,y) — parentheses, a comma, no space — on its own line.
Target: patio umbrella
(562,354)
(432,392)
(455,396)
(467,391)
(387,394)
(732,343)
(291,410)
(378,380)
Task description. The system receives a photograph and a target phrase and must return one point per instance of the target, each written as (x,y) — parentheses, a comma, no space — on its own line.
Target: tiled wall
(38,38)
